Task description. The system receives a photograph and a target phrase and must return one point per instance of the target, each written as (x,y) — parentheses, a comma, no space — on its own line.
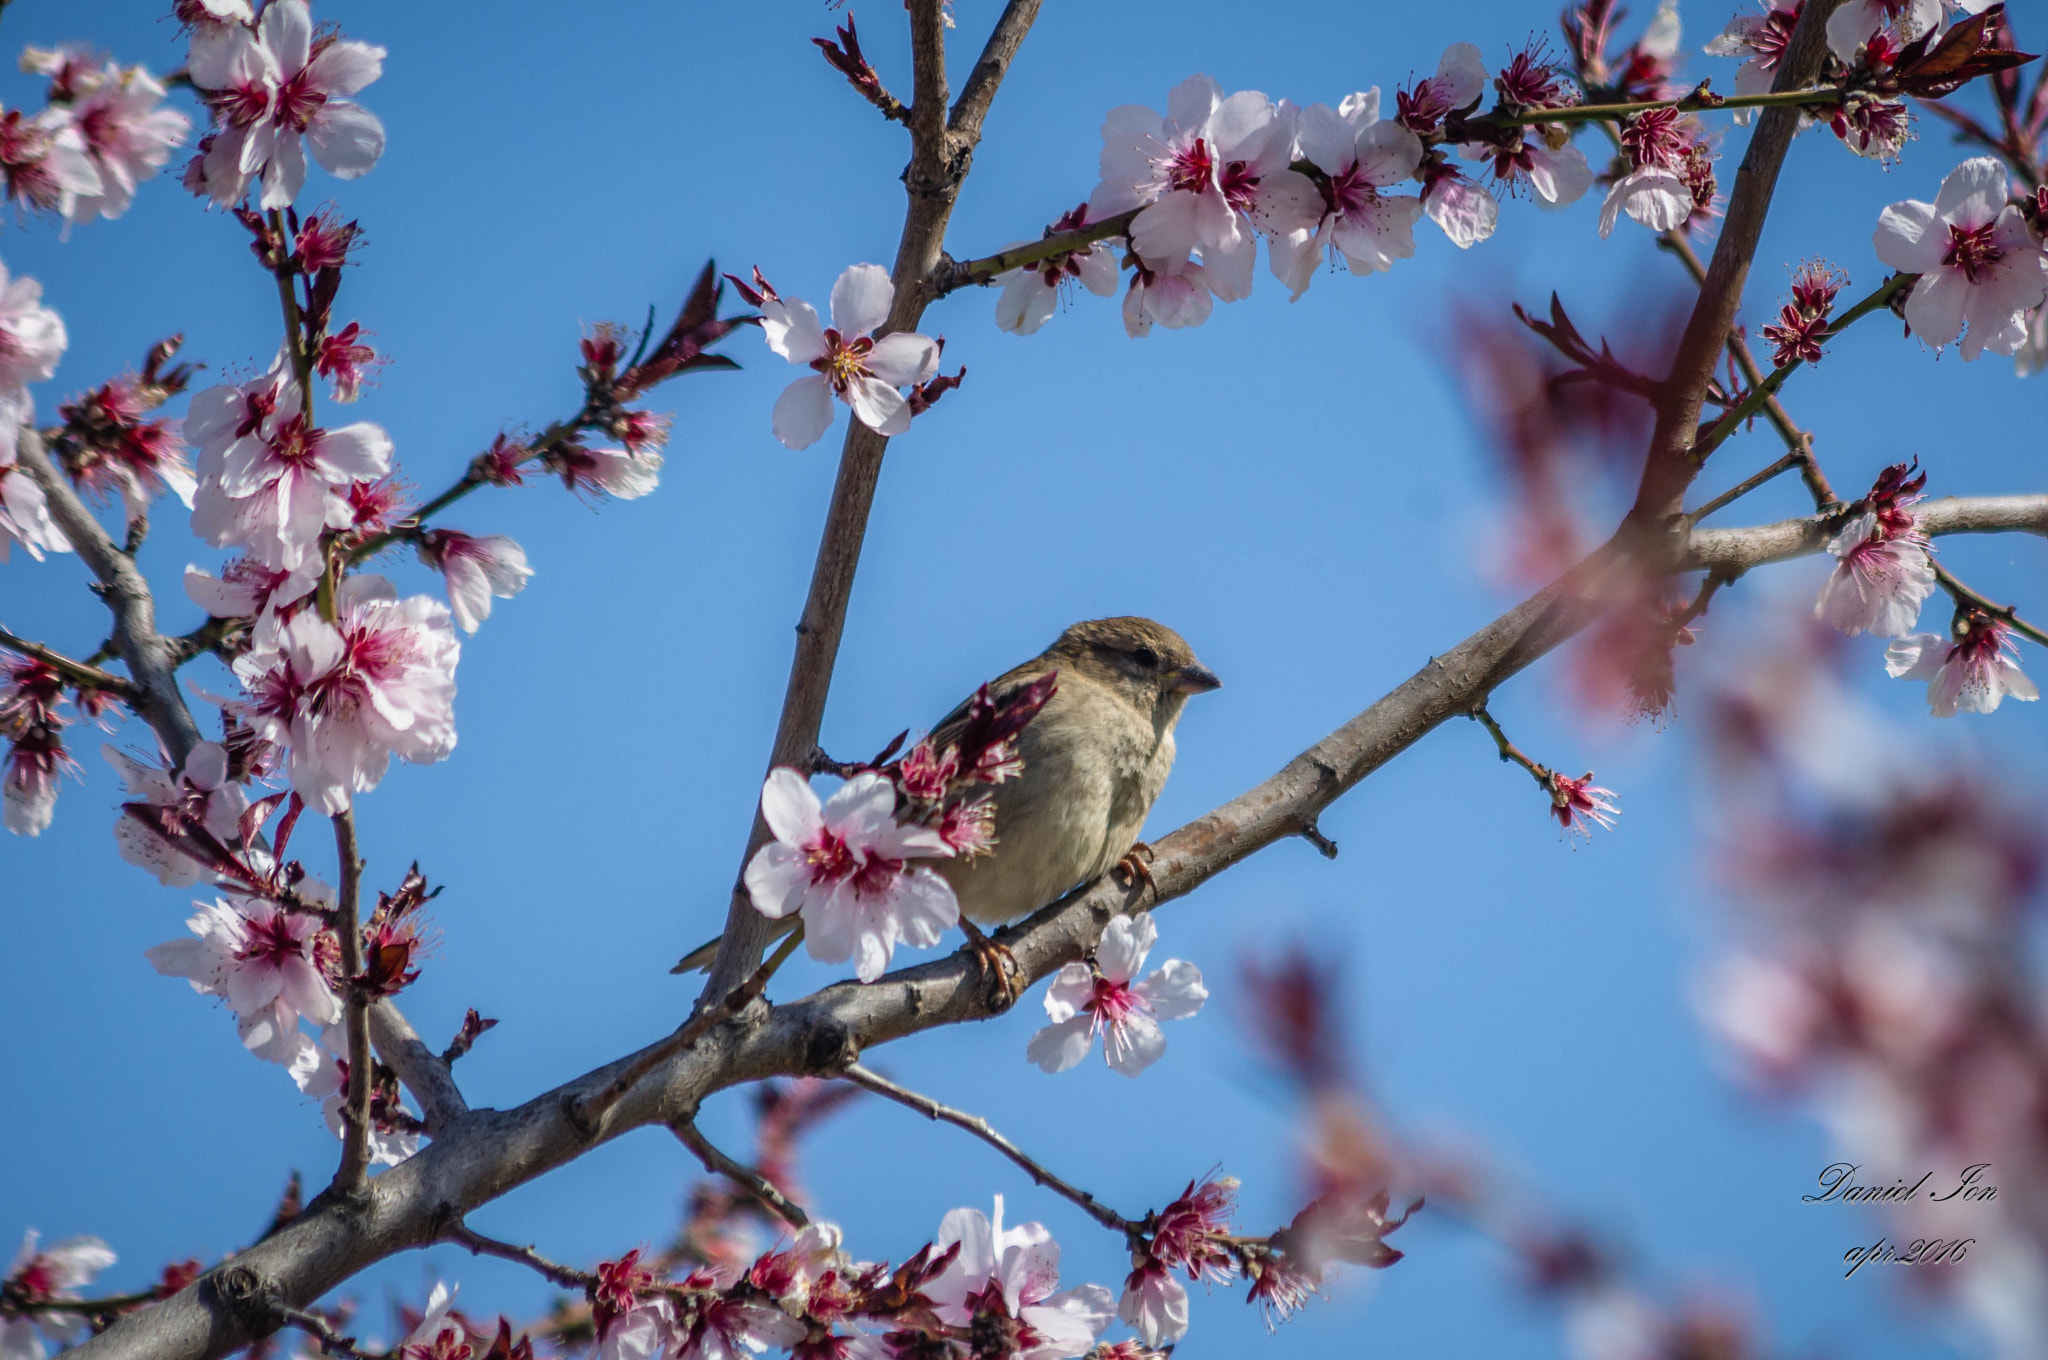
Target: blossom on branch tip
(344,360)
(344,697)
(1465,210)
(844,867)
(1001,1284)
(1579,803)
(476,569)
(272,90)
(439,1329)
(850,364)
(1083,1002)
(35,758)
(1031,292)
(1459,81)
(1876,129)
(611,472)
(1360,155)
(32,339)
(1973,672)
(202,793)
(1980,263)
(44,163)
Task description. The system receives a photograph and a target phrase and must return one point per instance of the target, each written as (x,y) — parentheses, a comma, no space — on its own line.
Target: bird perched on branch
(1095,758)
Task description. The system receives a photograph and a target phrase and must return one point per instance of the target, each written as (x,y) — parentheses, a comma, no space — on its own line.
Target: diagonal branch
(493,1151)
(74,672)
(1671,465)
(939,159)
(739,1173)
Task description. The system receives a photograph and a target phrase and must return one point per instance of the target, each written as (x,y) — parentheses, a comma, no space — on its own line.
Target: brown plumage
(1095,759)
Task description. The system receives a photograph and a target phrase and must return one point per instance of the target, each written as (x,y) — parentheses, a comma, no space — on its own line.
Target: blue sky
(1299,488)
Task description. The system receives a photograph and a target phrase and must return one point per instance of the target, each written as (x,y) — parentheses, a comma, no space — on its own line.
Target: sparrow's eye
(1146,657)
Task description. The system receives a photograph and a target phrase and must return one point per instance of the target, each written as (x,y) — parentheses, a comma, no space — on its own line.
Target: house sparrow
(1094,758)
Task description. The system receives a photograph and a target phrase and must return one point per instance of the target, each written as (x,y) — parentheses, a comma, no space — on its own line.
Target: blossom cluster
(102,132)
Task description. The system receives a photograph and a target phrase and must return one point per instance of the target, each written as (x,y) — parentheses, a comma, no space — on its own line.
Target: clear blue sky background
(1297,488)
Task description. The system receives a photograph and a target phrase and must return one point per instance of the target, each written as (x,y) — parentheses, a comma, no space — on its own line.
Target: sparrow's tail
(698,960)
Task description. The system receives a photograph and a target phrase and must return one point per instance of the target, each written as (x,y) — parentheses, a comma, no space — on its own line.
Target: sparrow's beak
(1195,679)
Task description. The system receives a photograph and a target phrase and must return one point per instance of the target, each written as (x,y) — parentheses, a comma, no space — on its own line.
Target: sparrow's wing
(1001,689)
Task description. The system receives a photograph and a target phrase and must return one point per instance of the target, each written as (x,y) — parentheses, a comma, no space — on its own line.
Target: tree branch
(76,672)
(1671,465)
(740,1174)
(939,160)
(354,1171)
(493,1151)
(568,1277)
(423,1071)
(150,658)
(982,1129)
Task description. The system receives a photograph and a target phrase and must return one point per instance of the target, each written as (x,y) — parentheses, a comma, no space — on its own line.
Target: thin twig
(354,1171)
(980,1128)
(1690,101)
(740,1174)
(77,672)
(1796,439)
(106,1307)
(568,1277)
(333,1342)
(2004,613)
(588,1113)
(960,273)
(1508,750)
(1744,487)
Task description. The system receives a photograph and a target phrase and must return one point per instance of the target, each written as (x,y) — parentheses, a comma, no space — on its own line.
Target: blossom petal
(861,299)
(803,412)
(1059,1047)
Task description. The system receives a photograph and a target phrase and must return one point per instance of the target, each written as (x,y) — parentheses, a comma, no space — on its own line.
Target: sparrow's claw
(999,967)
(1136,866)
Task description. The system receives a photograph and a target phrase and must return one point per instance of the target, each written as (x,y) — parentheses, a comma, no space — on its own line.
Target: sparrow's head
(1148,663)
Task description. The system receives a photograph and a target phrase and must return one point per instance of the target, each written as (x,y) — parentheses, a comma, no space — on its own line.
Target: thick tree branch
(1671,464)
(938,163)
(490,1152)
(354,1171)
(150,658)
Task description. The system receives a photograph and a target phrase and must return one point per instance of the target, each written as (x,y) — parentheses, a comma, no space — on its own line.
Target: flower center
(296,444)
(842,362)
(1240,186)
(1971,250)
(1351,193)
(270,943)
(241,105)
(830,858)
(1192,168)
(297,101)
(1115,1002)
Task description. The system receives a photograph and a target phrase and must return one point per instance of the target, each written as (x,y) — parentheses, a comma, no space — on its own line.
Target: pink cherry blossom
(1083,1002)
(32,340)
(274,86)
(1209,176)
(791,1275)
(729,1329)
(1173,299)
(124,131)
(1760,39)
(270,966)
(1154,1304)
(43,160)
(246,589)
(322,1073)
(842,867)
(1980,263)
(438,1326)
(344,697)
(1459,81)
(612,472)
(1031,292)
(1002,1282)
(55,1273)
(269,481)
(476,569)
(1880,580)
(1465,210)
(1544,158)
(1971,673)
(1578,804)
(202,790)
(861,371)
(24,509)
(1858,21)
(344,360)
(1361,155)
(30,694)
(1656,191)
